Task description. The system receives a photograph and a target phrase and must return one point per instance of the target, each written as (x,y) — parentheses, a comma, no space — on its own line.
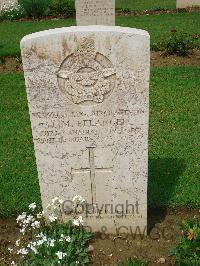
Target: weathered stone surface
(88,96)
(95,12)
(187,3)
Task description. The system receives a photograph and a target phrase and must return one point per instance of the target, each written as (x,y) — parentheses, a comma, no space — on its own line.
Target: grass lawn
(146,4)
(159,27)
(173,151)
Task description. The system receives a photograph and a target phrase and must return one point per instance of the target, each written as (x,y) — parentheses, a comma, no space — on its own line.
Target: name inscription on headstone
(77,127)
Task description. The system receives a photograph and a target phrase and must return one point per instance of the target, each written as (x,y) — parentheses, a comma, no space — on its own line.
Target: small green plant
(47,240)
(124,10)
(158,8)
(187,251)
(177,44)
(65,8)
(35,8)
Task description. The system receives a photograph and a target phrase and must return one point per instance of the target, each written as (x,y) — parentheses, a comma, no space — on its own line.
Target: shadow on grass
(164,175)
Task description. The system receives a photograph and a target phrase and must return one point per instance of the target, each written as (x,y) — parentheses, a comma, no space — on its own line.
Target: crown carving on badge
(86,76)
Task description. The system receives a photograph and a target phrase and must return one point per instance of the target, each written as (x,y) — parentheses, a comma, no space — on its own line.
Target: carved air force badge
(86,76)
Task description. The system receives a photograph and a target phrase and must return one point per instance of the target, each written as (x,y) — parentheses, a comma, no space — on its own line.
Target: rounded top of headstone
(92,28)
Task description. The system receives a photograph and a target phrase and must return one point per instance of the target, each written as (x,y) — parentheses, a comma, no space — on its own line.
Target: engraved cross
(92,170)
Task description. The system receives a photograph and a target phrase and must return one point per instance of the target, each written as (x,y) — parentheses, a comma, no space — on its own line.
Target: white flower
(29,219)
(21,217)
(40,242)
(39,215)
(51,242)
(52,218)
(10,250)
(79,221)
(57,200)
(32,206)
(62,238)
(13,263)
(35,224)
(61,201)
(34,243)
(23,231)
(60,255)
(44,238)
(34,249)
(78,199)
(76,222)
(17,242)
(41,235)
(23,251)
(66,238)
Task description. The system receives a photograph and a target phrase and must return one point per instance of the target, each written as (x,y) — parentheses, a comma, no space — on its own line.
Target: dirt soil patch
(11,64)
(163,231)
(158,11)
(9,233)
(157,59)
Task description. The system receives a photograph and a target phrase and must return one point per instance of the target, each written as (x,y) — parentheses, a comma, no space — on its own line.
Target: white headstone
(95,12)
(187,3)
(88,96)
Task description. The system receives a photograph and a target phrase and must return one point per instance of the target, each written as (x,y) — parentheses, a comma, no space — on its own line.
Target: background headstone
(95,12)
(187,3)
(88,95)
